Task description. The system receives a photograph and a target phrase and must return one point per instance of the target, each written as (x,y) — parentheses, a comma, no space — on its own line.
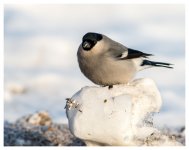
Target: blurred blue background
(41,42)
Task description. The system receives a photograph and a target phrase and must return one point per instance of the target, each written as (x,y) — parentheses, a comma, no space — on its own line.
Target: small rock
(16,88)
(41,118)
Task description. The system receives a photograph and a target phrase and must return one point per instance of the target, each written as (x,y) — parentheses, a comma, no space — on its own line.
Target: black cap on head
(90,39)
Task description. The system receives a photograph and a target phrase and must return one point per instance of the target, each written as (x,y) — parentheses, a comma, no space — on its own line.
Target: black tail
(157,64)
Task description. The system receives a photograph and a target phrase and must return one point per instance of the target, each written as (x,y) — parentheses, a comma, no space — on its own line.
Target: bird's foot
(110,87)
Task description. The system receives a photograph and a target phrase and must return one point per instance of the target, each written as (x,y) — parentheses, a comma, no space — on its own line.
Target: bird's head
(90,39)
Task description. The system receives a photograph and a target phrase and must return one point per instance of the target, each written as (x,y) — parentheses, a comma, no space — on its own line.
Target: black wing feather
(135,54)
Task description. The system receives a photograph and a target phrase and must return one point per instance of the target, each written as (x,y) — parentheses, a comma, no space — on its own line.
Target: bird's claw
(110,87)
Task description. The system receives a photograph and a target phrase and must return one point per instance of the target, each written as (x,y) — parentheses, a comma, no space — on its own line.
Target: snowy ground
(38,129)
(41,42)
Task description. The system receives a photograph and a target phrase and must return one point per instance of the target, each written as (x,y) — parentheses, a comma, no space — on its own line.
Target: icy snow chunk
(122,115)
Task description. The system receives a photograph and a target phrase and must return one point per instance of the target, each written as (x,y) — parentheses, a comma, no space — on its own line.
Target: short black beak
(86,45)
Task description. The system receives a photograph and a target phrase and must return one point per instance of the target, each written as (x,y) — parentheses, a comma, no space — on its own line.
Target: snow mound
(122,115)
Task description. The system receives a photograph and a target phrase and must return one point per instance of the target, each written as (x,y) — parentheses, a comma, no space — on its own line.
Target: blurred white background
(41,42)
